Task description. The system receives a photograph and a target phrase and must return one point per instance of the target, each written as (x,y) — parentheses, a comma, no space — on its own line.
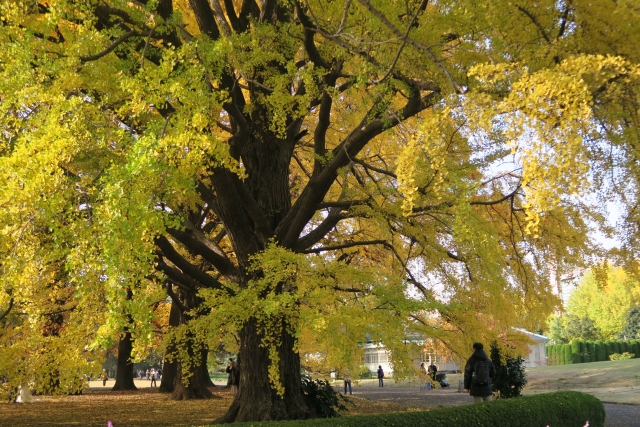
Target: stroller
(442,380)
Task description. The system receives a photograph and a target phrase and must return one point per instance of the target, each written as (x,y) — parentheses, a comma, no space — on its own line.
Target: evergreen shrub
(568,356)
(510,377)
(635,346)
(558,409)
(608,349)
(592,351)
(584,352)
(323,399)
(575,352)
(601,352)
(615,348)
(364,372)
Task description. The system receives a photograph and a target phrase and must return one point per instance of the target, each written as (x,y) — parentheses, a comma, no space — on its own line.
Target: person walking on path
(433,370)
(347,382)
(147,377)
(380,376)
(477,375)
(153,378)
(423,376)
(104,377)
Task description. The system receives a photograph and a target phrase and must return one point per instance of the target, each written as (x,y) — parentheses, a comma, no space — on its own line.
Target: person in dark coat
(380,376)
(481,391)
(433,370)
(234,376)
(228,370)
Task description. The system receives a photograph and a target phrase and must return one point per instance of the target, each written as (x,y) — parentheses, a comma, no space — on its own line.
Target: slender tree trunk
(205,371)
(197,387)
(170,369)
(124,371)
(256,399)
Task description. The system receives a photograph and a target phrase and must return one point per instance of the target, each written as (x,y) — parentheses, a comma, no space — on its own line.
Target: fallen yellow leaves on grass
(145,407)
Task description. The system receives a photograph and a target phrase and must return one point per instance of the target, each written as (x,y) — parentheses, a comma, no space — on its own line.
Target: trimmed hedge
(615,348)
(575,352)
(584,352)
(636,347)
(558,409)
(568,358)
(601,352)
(580,351)
(608,349)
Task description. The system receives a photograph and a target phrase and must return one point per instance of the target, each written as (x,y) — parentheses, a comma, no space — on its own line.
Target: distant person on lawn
(104,377)
(380,376)
(347,383)
(153,378)
(477,375)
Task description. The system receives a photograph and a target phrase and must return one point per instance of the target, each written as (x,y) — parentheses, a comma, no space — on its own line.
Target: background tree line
(605,305)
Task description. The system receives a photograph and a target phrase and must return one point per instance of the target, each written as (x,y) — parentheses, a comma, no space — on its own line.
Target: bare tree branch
(535,22)
(373,168)
(8,310)
(422,6)
(345,245)
(456,86)
(110,48)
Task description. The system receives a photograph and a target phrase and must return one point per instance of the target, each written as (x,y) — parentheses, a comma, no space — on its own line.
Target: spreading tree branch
(305,206)
(187,268)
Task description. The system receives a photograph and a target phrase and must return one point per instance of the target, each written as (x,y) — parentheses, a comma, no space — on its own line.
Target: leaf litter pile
(145,407)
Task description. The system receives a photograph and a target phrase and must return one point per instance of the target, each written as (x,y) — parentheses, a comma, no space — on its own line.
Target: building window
(429,357)
(383,357)
(371,355)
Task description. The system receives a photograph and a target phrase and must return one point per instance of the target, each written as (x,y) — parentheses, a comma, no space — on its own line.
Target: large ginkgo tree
(302,175)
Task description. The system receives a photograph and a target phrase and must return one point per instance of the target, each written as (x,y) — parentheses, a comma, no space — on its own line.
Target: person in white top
(153,378)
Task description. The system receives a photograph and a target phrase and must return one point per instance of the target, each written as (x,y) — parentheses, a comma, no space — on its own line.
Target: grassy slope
(617,381)
(621,373)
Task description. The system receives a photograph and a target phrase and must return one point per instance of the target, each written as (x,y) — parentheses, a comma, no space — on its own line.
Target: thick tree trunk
(196,389)
(124,371)
(169,373)
(256,399)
